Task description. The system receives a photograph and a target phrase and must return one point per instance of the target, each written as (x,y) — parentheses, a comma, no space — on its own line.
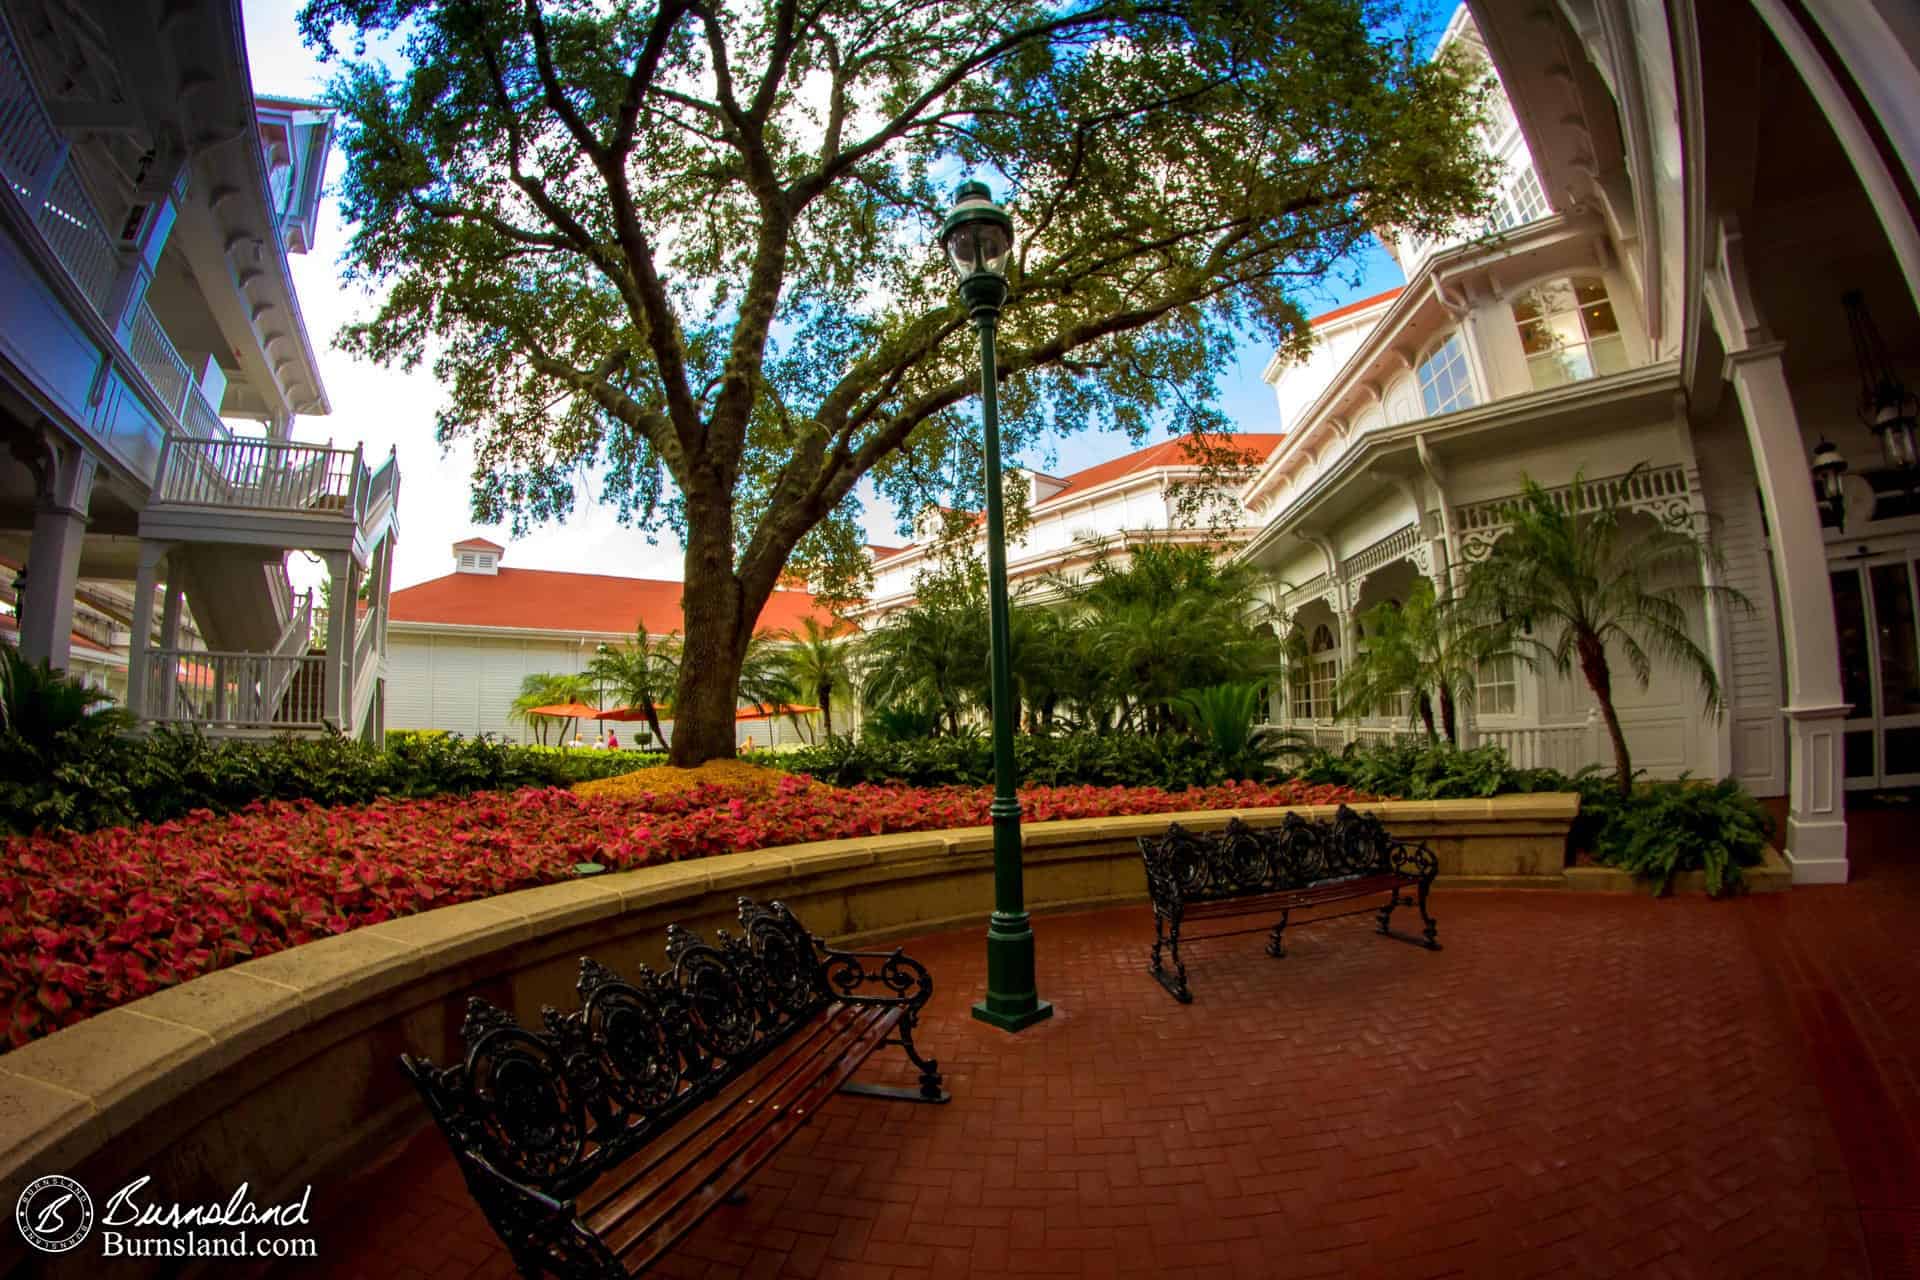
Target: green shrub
(105,780)
(1670,827)
(1173,762)
(1428,771)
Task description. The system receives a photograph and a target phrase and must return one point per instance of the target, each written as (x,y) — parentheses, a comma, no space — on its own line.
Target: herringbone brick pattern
(1579,1086)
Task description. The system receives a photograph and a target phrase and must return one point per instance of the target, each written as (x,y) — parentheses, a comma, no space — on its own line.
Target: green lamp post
(978,237)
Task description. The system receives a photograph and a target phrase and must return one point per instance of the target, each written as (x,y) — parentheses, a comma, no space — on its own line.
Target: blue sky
(385,408)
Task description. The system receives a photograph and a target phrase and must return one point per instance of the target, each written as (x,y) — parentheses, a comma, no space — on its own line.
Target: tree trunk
(1449,716)
(1426,716)
(653,720)
(826,709)
(716,638)
(1593,664)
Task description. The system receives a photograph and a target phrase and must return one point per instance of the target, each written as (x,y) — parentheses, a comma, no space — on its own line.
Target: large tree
(686,249)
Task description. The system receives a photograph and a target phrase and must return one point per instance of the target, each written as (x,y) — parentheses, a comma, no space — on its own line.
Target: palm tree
(1426,650)
(1566,581)
(931,654)
(766,680)
(1173,618)
(545,689)
(640,674)
(818,664)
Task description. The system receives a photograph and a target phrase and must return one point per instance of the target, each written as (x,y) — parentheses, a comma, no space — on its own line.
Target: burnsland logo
(54,1213)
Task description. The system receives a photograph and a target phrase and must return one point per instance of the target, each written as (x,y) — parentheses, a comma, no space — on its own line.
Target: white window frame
(1571,283)
(1449,356)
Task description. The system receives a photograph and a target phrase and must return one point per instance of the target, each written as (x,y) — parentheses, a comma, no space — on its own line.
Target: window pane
(1850,619)
(1525,307)
(1546,373)
(1598,318)
(1609,355)
(1893,620)
(1859,753)
(1903,751)
(1589,289)
(1535,337)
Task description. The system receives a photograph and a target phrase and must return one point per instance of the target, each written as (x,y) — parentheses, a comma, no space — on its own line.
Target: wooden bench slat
(608,1203)
(683,1200)
(1299,865)
(596,1139)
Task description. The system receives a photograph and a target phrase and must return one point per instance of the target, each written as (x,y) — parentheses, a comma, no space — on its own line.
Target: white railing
(202,420)
(159,361)
(261,474)
(34,164)
(380,488)
(280,587)
(236,690)
(1566,747)
(295,640)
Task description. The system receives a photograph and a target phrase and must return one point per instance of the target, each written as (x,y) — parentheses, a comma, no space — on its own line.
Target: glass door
(1876,606)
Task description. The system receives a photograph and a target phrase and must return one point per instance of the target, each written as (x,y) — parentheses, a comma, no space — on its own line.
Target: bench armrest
(1414,860)
(897,979)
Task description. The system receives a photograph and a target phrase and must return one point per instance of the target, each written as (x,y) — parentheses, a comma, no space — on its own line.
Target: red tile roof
(1254,446)
(1361,305)
(542,600)
(881,553)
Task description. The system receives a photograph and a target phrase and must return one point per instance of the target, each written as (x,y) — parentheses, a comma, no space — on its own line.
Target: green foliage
(1226,717)
(1578,580)
(820,665)
(40,708)
(1425,649)
(640,675)
(687,248)
(1173,762)
(1428,771)
(1665,828)
(110,780)
(547,689)
(1657,830)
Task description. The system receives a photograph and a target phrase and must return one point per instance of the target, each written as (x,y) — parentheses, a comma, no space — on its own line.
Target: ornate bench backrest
(555,1106)
(1186,867)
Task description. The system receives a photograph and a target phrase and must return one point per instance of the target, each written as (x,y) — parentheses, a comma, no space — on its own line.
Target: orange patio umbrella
(760,711)
(567,711)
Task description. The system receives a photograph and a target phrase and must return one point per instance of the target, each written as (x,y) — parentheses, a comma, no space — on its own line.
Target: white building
(148,204)
(1162,491)
(1715,175)
(461,644)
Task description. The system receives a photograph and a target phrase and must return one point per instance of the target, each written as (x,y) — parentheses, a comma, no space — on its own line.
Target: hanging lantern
(1886,406)
(1829,469)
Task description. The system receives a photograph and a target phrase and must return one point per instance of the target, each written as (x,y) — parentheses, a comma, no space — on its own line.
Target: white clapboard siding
(1754,679)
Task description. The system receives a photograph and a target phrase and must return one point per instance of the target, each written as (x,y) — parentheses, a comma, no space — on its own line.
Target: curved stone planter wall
(283,1071)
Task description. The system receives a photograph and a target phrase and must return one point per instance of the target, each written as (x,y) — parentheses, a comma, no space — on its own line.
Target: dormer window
(1568,330)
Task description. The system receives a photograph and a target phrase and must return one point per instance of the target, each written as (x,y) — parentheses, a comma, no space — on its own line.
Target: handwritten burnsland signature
(123,1209)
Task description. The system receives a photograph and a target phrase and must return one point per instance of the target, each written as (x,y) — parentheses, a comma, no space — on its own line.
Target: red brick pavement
(1589,1086)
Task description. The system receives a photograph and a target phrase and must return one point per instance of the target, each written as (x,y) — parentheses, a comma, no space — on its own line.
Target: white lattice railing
(1660,491)
(159,361)
(236,690)
(1385,551)
(261,475)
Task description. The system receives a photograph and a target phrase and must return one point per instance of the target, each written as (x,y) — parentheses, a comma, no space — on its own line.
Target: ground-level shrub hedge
(88,922)
(1663,829)
(77,785)
(1174,762)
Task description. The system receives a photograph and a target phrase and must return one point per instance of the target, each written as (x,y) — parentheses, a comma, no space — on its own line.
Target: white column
(339,633)
(1815,708)
(63,475)
(172,600)
(140,643)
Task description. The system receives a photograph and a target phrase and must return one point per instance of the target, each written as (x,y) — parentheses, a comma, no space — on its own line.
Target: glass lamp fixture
(978,238)
(1829,468)
(1886,405)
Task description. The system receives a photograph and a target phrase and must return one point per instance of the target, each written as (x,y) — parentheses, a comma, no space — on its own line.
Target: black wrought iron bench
(595,1142)
(1297,865)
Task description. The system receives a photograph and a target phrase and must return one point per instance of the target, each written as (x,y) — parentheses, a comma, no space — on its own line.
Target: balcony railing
(235,690)
(34,164)
(262,475)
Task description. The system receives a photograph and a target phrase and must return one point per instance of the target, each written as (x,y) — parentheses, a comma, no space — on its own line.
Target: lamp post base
(1037,1010)
(1013,1003)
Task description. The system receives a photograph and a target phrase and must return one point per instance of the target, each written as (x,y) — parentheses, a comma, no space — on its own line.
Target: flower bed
(88,922)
